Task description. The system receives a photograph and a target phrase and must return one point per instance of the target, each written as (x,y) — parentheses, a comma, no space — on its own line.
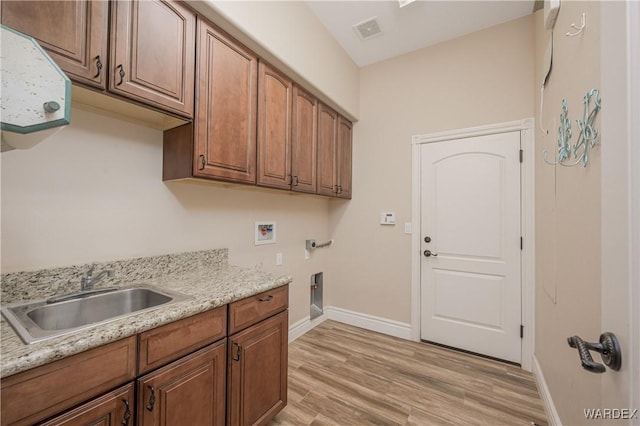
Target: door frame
(527,222)
(620,159)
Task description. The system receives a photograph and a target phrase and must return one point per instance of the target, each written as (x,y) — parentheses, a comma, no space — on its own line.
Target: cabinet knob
(127,413)
(121,72)
(51,106)
(236,356)
(98,66)
(152,399)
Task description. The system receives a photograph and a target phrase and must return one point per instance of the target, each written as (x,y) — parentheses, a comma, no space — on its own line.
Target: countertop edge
(210,289)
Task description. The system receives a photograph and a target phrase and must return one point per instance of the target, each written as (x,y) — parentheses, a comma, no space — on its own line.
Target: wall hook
(578,29)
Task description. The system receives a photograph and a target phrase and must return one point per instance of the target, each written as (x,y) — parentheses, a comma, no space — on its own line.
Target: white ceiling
(417,25)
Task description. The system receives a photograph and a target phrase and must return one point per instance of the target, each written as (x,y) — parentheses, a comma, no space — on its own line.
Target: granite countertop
(210,286)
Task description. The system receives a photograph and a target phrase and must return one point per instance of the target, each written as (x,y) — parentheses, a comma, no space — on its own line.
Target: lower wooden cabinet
(257,358)
(37,394)
(190,391)
(238,380)
(113,409)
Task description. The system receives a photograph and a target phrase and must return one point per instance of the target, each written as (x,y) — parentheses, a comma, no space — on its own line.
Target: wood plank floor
(343,375)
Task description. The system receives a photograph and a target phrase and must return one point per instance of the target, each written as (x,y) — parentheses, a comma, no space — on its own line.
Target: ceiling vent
(368,29)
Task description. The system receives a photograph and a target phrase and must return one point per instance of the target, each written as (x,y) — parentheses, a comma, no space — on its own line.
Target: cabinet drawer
(114,408)
(169,342)
(39,393)
(251,310)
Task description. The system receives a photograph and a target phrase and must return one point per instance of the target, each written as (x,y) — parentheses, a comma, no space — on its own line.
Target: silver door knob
(429,253)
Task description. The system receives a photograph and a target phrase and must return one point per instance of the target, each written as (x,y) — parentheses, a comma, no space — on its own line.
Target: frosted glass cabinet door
(74,33)
(36,94)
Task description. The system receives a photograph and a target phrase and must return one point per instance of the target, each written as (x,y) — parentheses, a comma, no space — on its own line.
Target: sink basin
(35,321)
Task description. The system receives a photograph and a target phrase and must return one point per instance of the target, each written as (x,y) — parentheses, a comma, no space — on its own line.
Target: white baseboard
(370,322)
(357,319)
(545,395)
(304,325)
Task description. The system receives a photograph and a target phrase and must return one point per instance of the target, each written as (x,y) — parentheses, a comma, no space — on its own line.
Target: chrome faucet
(88,280)
(86,286)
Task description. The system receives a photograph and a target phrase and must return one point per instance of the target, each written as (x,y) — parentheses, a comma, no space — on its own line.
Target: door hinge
(521,331)
(521,243)
(521,156)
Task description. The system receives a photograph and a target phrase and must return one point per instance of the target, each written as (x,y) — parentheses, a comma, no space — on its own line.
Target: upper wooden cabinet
(151,57)
(304,142)
(225,125)
(74,33)
(327,144)
(153,53)
(274,128)
(344,158)
(334,153)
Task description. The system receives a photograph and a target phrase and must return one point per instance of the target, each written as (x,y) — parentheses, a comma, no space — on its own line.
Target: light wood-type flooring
(343,375)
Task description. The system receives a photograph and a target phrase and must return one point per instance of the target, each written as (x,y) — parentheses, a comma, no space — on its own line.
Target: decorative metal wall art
(587,136)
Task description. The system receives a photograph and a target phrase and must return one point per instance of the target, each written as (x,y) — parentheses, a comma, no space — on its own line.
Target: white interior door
(470,222)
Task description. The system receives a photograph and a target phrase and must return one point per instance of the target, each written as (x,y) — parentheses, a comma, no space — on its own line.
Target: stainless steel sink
(35,321)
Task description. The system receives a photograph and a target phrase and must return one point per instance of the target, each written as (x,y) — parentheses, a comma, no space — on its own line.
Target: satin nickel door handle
(429,253)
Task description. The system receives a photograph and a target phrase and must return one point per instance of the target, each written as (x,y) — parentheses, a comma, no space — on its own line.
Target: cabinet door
(190,391)
(344,158)
(257,388)
(226,84)
(274,128)
(113,409)
(153,53)
(74,33)
(327,141)
(39,393)
(304,143)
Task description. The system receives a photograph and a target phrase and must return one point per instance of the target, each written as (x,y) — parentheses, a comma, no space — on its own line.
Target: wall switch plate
(387,218)
(306,254)
(407,227)
(278,259)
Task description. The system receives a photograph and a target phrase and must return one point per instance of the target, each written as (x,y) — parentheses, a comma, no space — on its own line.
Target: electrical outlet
(306,254)
(278,259)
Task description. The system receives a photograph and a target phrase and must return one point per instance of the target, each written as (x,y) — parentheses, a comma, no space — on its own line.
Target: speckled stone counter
(205,275)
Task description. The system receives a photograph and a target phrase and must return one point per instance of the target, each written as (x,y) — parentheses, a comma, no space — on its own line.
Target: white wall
(94,192)
(482,78)
(290,36)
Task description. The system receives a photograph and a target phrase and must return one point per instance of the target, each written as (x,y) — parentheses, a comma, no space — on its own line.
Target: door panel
(189,391)
(471,285)
(476,232)
(327,140)
(152,53)
(226,107)
(274,128)
(304,142)
(344,158)
(479,307)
